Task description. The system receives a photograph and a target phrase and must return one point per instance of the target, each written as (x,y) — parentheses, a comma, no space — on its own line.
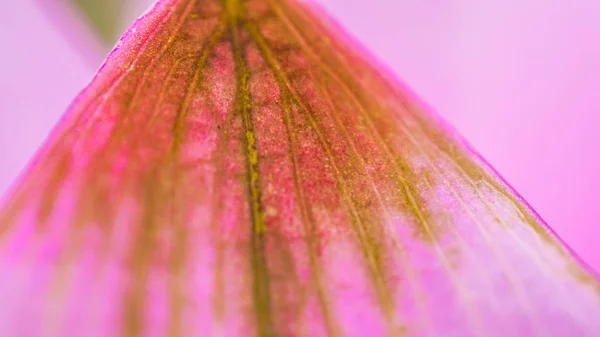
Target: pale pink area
(519,79)
(40,74)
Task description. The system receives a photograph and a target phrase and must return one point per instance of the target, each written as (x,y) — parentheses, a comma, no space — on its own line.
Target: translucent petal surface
(240,169)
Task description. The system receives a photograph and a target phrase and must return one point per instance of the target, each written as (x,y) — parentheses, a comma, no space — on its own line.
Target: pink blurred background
(520,79)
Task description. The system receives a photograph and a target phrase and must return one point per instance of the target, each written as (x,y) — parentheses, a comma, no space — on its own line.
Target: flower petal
(241,169)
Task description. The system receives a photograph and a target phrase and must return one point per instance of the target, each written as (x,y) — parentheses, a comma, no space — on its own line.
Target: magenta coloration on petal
(237,168)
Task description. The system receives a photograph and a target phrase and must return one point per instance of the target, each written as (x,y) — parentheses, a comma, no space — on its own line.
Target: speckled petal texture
(240,169)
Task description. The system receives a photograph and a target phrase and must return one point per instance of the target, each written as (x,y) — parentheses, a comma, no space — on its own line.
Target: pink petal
(246,172)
